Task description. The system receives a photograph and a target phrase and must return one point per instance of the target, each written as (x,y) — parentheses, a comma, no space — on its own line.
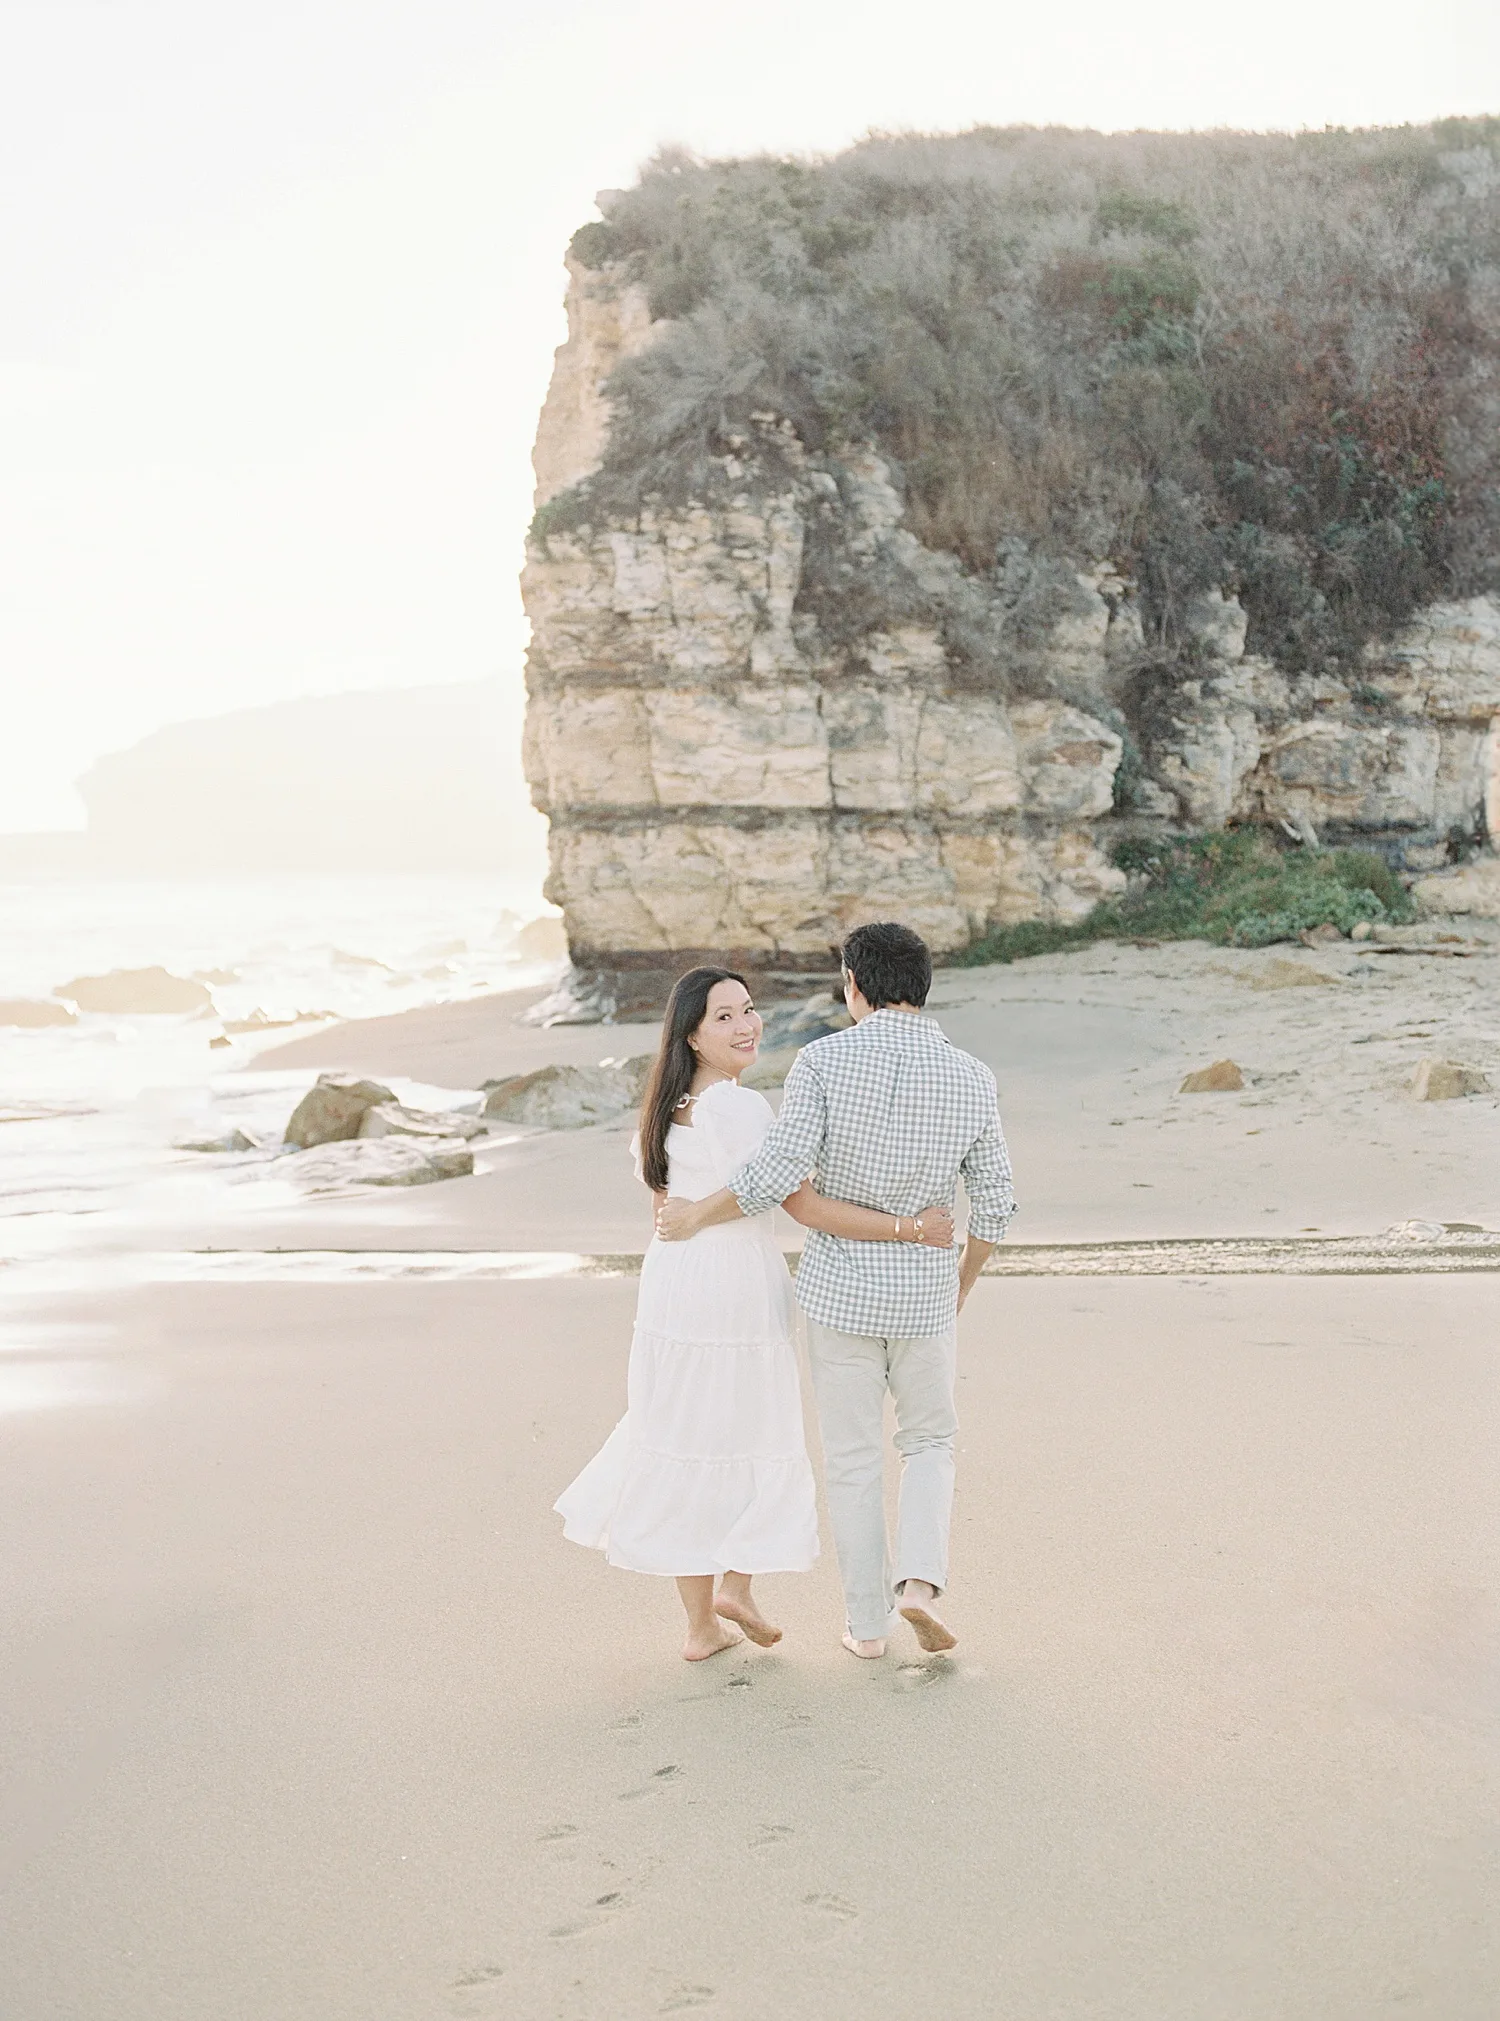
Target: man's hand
(678,1220)
(976,1254)
(937,1227)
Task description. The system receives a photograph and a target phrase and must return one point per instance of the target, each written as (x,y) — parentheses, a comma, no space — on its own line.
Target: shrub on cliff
(1236,887)
(1263,362)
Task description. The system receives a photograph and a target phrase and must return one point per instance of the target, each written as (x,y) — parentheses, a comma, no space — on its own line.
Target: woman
(706,1477)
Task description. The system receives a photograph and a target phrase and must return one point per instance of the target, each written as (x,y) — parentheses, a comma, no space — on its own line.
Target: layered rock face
(1407,758)
(728,773)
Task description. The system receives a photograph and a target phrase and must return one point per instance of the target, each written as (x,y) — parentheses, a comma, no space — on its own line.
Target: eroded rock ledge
(727,773)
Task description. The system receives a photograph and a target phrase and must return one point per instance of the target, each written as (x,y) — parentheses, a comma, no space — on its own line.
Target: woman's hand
(677,1220)
(937,1227)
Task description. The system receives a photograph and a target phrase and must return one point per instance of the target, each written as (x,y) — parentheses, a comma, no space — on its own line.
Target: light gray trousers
(851,1373)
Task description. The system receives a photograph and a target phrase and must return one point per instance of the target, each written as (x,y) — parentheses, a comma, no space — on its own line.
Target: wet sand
(309,1711)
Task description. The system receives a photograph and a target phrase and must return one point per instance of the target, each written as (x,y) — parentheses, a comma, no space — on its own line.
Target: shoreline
(1089,1048)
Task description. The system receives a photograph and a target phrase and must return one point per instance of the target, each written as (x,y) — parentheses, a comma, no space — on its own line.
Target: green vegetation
(1255,362)
(1235,887)
(1128,211)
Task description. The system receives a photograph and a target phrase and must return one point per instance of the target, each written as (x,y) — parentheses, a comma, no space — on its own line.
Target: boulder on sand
(569,1098)
(394,1119)
(636,1067)
(385,1161)
(1446,1081)
(1222,1078)
(135,992)
(26,1014)
(333,1109)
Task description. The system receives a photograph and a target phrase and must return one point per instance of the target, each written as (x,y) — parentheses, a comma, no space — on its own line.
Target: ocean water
(91,1114)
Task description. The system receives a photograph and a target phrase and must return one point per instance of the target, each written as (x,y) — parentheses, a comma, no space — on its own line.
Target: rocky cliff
(761,709)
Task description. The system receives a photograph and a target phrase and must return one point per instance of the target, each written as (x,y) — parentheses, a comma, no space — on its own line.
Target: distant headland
(393,780)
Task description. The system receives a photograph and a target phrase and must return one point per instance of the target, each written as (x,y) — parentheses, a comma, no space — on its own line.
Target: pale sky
(280,285)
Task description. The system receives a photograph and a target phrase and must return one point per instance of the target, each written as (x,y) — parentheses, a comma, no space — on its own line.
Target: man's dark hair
(890,964)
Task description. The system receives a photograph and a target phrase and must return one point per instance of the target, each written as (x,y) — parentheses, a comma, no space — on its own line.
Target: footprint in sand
(911,1676)
(862,1775)
(468,1994)
(659,1780)
(597,1916)
(769,1837)
(559,1842)
(682,1997)
(826,1915)
(628,1725)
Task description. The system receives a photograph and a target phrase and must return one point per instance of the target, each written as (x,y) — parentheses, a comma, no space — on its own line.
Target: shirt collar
(892,1019)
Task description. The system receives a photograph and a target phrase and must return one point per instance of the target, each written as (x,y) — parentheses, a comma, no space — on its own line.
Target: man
(886,1115)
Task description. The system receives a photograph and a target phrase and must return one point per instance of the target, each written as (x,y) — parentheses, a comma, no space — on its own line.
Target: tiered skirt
(707,1471)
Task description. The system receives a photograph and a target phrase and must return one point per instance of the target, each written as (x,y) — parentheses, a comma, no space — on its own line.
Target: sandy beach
(309,1710)
(1089,1050)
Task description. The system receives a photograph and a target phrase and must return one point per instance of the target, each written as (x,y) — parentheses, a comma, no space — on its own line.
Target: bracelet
(917,1224)
(897,1236)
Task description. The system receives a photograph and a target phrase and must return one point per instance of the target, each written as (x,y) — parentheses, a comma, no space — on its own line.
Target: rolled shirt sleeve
(987,1181)
(791,1150)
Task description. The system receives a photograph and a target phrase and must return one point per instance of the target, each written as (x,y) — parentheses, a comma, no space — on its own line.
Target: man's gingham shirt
(886,1115)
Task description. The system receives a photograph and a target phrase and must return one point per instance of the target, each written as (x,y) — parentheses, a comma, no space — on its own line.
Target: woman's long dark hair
(675,1064)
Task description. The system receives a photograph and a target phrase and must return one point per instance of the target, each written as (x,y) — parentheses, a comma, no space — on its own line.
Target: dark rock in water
(333,1109)
(136,992)
(26,1014)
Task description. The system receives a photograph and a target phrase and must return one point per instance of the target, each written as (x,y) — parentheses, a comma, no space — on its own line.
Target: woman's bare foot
(745,1614)
(707,1635)
(869,1651)
(701,1644)
(916,1606)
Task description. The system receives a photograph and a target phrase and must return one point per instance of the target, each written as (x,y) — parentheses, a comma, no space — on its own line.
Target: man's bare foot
(745,1614)
(870,1651)
(916,1606)
(698,1648)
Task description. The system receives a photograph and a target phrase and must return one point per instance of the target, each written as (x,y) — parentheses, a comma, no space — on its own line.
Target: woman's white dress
(707,1471)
